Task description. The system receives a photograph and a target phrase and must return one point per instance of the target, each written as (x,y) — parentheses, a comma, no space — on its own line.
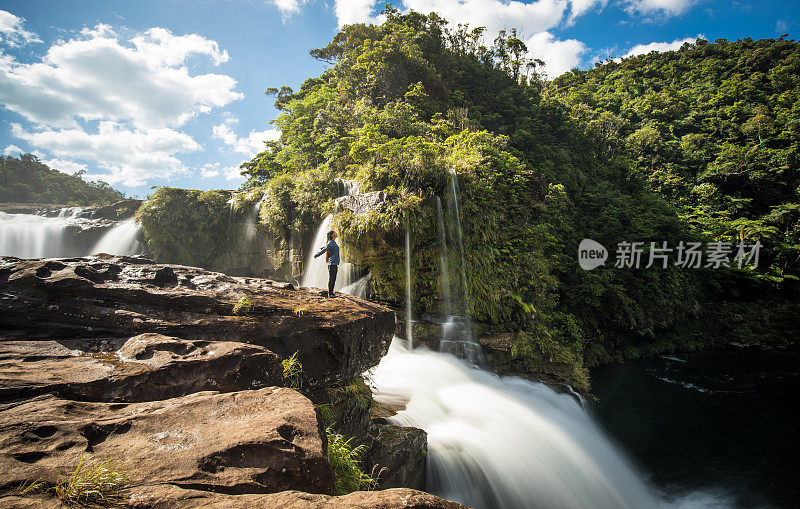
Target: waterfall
(33,236)
(409,321)
(122,239)
(504,443)
(359,288)
(316,270)
(457,337)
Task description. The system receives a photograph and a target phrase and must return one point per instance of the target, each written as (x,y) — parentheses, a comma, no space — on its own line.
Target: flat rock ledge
(109,299)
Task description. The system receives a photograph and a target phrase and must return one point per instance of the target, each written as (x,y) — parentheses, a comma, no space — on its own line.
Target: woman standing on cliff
(332,258)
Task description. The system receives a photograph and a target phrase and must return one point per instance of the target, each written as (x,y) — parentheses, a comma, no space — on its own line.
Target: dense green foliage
(344,459)
(407,105)
(25,179)
(715,128)
(185,226)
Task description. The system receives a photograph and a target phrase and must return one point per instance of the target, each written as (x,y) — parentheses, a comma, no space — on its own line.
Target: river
(722,424)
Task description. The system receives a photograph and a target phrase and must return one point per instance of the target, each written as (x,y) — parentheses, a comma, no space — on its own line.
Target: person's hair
(331,234)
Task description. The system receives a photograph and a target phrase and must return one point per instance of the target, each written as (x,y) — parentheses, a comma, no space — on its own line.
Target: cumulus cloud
(233,173)
(131,156)
(580,7)
(643,49)
(287,7)
(99,76)
(12,150)
(249,145)
(115,102)
(209,170)
(650,7)
(559,56)
(11,32)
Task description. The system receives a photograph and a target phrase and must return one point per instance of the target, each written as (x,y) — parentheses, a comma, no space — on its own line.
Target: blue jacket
(333,252)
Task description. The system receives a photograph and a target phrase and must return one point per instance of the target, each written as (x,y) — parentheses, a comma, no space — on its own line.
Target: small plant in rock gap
(243,307)
(344,460)
(293,372)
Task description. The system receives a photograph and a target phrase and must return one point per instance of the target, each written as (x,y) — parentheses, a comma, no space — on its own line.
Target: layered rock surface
(111,297)
(115,358)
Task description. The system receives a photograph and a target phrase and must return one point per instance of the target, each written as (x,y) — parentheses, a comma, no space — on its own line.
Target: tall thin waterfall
(409,318)
(504,443)
(32,236)
(316,269)
(122,239)
(457,337)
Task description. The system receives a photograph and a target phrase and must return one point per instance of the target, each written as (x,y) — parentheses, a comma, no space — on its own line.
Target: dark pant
(332,271)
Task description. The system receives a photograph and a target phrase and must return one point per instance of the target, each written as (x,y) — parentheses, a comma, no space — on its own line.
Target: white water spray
(32,236)
(504,443)
(122,239)
(409,319)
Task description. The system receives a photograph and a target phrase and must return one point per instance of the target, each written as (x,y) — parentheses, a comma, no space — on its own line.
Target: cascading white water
(359,288)
(502,443)
(316,269)
(123,239)
(316,273)
(409,319)
(33,236)
(457,338)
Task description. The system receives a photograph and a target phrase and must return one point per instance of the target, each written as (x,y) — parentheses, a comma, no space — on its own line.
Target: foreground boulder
(105,298)
(259,441)
(144,368)
(170,497)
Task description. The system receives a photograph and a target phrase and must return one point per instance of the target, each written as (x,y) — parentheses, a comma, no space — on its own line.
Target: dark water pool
(724,425)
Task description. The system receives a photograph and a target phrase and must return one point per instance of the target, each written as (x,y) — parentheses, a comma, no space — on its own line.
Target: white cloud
(580,7)
(130,156)
(649,7)
(233,173)
(558,56)
(209,170)
(249,145)
(643,49)
(62,165)
(349,12)
(162,48)
(99,76)
(11,32)
(12,150)
(287,7)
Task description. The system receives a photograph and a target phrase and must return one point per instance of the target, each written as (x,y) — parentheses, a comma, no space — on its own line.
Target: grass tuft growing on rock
(345,464)
(293,372)
(243,307)
(95,484)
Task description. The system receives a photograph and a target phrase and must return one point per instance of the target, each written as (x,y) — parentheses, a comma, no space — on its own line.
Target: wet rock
(123,209)
(171,497)
(360,204)
(259,441)
(144,368)
(401,451)
(105,297)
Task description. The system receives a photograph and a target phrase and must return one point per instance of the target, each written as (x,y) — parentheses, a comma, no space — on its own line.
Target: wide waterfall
(504,442)
(39,236)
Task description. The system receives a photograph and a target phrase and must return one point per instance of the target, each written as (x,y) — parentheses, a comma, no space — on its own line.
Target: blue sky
(171,92)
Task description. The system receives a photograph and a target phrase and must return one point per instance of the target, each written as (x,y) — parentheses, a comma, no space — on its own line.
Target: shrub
(293,372)
(344,460)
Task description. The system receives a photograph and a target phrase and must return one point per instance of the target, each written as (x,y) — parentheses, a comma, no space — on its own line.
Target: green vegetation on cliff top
(25,179)
(642,150)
